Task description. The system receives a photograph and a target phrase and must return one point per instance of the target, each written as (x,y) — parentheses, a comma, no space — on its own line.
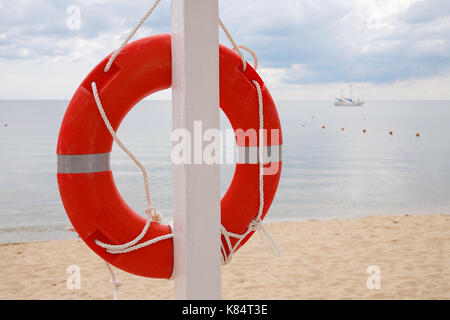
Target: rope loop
(253,54)
(233,43)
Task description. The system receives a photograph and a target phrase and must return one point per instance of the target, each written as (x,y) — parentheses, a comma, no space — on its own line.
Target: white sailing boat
(348,101)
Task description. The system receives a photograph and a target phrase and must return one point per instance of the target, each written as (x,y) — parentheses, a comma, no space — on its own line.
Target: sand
(321,260)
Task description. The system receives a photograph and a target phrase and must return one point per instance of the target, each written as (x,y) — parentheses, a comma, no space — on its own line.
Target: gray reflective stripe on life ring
(251,155)
(83,163)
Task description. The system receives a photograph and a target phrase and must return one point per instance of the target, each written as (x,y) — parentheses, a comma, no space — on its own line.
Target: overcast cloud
(301,44)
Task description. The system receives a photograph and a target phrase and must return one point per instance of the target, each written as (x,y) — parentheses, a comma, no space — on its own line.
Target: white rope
(150,210)
(261,150)
(132,33)
(233,43)
(256,223)
(114,281)
(153,215)
(253,54)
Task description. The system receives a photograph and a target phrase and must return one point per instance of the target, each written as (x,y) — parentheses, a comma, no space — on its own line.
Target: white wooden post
(195,97)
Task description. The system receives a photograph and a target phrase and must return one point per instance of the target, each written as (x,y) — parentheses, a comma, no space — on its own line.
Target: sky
(307,49)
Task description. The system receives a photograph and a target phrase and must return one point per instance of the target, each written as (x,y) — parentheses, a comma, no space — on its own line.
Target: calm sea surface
(327,173)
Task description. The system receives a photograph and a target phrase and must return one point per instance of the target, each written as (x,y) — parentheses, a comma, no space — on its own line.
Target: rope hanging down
(114,281)
(153,215)
(256,224)
(132,33)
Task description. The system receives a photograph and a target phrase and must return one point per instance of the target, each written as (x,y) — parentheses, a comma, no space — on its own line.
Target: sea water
(327,172)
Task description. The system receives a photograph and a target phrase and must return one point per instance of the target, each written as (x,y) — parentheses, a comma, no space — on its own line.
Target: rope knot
(154,214)
(255,224)
(115,283)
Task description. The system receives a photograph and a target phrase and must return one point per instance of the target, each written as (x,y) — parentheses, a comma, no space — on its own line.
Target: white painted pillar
(196,188)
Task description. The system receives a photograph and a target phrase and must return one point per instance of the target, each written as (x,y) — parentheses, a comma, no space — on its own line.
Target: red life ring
(91,199)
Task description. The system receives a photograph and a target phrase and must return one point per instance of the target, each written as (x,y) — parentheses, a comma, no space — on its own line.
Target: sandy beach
(321,260)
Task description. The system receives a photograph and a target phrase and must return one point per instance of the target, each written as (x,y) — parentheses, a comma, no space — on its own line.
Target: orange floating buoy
(342,129)
(6,124)
(364,130)
(390,132)
(323,127)
(417,134)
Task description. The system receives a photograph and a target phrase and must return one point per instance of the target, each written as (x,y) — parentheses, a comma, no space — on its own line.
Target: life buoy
(90,197)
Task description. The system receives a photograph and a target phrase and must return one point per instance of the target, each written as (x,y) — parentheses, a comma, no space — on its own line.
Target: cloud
(427,11)
(39,27)
(345,40)
(308,42)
